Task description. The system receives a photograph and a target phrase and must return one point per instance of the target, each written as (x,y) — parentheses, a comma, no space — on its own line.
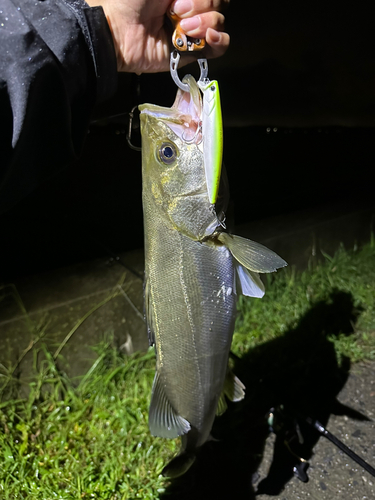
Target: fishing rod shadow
(298,371)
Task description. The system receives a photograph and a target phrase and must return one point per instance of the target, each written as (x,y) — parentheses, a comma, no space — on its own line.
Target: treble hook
(193,139)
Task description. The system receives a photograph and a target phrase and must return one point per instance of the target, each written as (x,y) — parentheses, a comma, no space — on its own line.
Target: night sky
(298,99)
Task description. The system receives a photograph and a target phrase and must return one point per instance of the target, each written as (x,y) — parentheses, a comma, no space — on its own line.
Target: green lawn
(91,439)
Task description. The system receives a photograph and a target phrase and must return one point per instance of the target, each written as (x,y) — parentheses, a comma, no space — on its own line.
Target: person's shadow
(300,371)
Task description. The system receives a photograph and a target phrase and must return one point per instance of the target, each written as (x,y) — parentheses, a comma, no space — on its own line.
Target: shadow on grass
(298,370)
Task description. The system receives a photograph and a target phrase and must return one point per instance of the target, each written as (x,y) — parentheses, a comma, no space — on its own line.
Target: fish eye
(167,153)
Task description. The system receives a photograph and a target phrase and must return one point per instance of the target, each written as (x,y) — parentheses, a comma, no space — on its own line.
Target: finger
(189,8)
(197,26)
(218,43)
(216,46)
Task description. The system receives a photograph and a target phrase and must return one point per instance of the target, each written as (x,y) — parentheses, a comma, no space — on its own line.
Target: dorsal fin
(221,405)
(163,421)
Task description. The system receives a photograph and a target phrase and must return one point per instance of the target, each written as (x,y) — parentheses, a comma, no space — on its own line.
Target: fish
(194,272)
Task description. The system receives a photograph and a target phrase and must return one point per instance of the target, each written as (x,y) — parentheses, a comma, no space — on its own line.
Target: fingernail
(190,24)
(182,7)
(215,36)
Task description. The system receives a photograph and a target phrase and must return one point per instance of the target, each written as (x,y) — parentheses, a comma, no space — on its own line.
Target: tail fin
(179,465)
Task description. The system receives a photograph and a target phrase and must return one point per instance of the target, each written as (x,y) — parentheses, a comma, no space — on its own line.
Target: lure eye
(167,153)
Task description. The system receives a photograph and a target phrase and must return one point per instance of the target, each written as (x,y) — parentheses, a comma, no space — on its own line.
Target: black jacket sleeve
(57,60)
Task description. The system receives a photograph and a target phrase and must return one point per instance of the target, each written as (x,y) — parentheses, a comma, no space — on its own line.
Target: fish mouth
(184,118)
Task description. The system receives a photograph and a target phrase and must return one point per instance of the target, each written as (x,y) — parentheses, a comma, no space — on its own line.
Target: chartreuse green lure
(212,132)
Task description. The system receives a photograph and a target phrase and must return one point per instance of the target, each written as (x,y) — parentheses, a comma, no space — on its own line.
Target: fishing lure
(212,122)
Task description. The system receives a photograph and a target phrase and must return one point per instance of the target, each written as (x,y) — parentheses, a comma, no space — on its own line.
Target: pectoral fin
(163,421)
(254,256)
(249,282)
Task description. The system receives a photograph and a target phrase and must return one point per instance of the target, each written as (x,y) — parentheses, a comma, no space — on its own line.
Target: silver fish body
(190,289)
(191,274)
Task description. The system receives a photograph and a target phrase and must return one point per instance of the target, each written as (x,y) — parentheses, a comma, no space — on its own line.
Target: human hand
(142,42)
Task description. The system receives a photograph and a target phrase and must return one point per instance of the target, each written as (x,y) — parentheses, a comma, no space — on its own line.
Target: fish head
(174,179)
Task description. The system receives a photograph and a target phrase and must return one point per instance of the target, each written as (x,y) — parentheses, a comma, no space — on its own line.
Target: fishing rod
(324,432)
(287,427)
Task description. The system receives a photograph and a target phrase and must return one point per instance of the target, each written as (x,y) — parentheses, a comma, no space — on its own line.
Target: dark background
(298,98)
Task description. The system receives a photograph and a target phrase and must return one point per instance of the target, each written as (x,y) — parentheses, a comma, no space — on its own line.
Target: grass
(91,439)
(291,294)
